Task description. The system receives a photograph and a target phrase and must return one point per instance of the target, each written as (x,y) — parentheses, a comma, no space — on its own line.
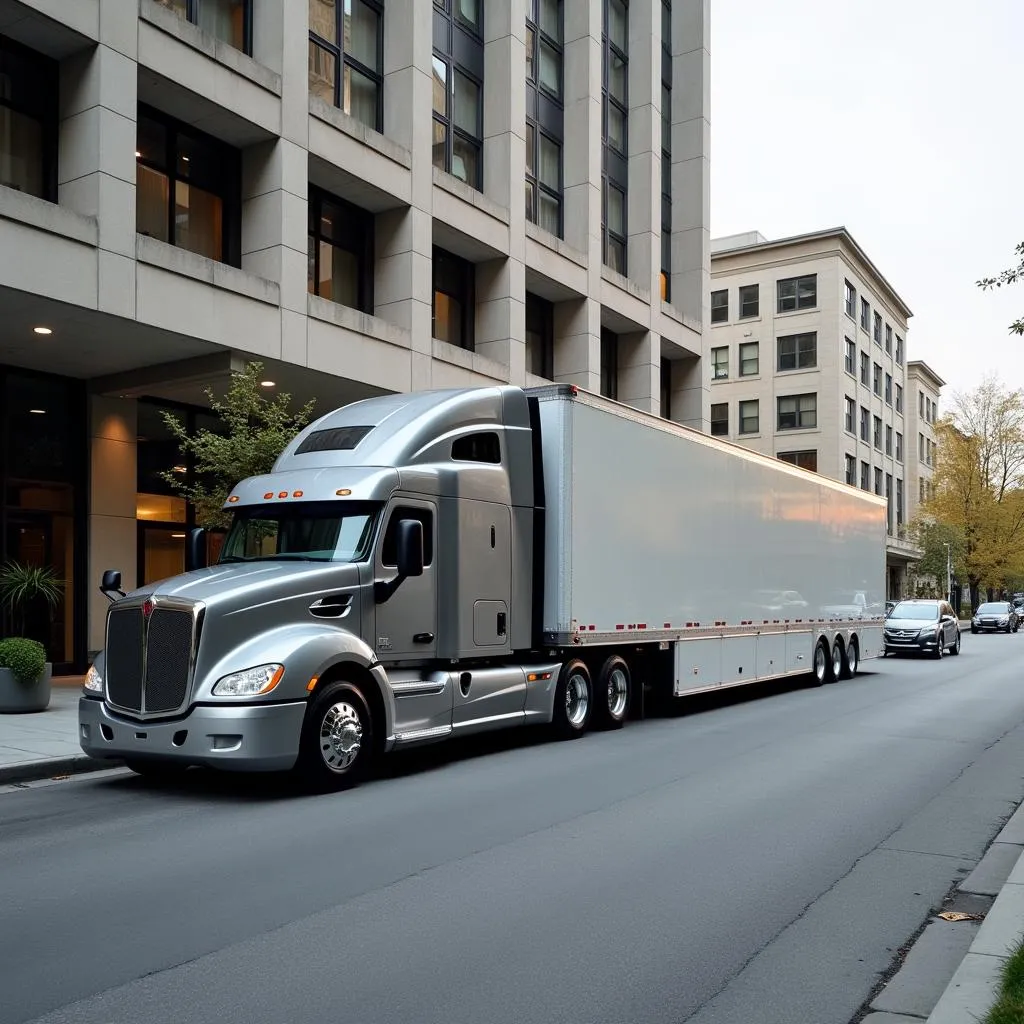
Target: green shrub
(26,659)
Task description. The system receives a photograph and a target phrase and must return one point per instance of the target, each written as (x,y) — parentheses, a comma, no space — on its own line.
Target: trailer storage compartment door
(651,526)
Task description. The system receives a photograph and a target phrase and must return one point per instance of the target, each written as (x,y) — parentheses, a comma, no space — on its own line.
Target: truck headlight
(250,682)
(93,680)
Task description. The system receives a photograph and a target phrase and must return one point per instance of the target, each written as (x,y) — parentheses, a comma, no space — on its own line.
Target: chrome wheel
(837,660)
(853,659)
(820,664)
(618,693)
(577,699)
(341,737)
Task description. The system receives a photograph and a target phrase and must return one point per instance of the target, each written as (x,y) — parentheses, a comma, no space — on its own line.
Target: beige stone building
(924,386)
(808,359)
(368,196)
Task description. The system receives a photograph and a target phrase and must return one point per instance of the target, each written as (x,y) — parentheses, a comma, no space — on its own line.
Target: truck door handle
(334,606)
(423,638)
(501,623)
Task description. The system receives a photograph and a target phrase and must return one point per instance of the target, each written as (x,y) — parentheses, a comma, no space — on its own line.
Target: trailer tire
(336,744)
(573,700)
(851,662)
(837,666)
(819,673)
(612,693)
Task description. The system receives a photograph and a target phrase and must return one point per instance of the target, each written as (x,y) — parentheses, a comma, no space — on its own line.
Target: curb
(50,767)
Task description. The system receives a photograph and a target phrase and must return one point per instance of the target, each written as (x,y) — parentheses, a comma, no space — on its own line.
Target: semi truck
(427,565)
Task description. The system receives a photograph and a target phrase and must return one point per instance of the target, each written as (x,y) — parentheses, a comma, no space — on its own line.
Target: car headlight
(1004,619)
(93,680)
(250,682)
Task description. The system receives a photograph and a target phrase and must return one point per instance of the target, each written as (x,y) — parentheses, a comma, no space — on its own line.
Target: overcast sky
(902,120)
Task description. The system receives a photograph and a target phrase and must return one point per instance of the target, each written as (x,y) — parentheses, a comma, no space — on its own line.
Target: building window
(878,329)
(899,398)
(348,35)
(899,350)
(920,447)
(615,118)
(888,439)
(750,359)
(920,491)
(888,339)
(850,415)
(798,351)
(805,460)
(720,419)
(797,293)
(920,403)
(230,21)
(877,381)
(666,388)
(458,73)
(877,433)
(540,337)
(850,361)
(188,188)
(545,116)
(750,416)
(865,370)
(750,300)
(888,389)
(850,299)
(899,503)
(28,121)
(851,470)
(720,306)
(878,481)
(609,364)
(340,263)
(666,150)
(798,412)
(865,314)
(454,306)
(865,424)
(720,363)
(888,500)
(865,477)
(899,446)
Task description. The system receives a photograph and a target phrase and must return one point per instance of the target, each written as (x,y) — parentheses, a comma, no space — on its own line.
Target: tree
(256,430)
(932,537)
(1011,276)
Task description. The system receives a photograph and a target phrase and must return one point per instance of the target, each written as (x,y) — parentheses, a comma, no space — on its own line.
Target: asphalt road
(757,859)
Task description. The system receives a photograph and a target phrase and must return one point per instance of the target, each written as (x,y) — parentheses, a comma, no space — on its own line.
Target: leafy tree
(256,430)
(932,537)
(1011,276)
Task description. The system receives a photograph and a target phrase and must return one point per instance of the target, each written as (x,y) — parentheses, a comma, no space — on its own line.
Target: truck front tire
(336,746)
(574,700)
(612,693)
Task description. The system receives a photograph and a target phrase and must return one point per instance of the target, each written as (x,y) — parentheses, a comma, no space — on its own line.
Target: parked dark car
(996,617)
(922,627)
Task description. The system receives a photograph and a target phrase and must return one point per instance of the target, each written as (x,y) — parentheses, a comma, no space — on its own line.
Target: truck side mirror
(195,550)
(410,548)
(110,583)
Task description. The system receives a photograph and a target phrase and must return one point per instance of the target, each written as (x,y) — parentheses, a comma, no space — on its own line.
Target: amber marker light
(311,685)
(344,492)
(536,677)
(232,499)
(268,495)
(282,494)
(296,494)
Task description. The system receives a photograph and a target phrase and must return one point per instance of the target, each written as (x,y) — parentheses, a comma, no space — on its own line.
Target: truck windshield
(329,531)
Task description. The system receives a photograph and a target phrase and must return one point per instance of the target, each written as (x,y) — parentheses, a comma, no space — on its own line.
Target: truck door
(407,622)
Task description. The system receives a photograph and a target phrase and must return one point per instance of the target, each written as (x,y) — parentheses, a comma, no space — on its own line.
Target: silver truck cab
(375,589)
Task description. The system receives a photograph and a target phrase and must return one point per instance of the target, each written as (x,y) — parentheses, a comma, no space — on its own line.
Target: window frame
(609,364)
(876,433)
(666,151)
(888,339)
(715,375)
(849,415)
(743,360)
(876,329)
(614,164)
(797,457)
(542,312)
(850,357)
(192,17)
(888,389)
(888,439)
(899,350)
(798,411)
(849,300)
(899,446)
(721,307)
(364,254)
(865,476)
(343,59)
(445,258)
(899,398)
(850,469)
(876,379)
(865,424)
(796,282)
(865,370)
(720,421)
(878,481)
(741,303)
(545,112)
(797,352)
(865,314)
(742,420)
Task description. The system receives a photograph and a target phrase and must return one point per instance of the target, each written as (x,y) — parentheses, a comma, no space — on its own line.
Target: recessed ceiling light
(38,412)
(268,384)
(177,536)
(43,330)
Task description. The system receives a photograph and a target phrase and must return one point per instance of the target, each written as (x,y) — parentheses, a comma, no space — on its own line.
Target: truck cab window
(484,447)
(303,531)
(389,548)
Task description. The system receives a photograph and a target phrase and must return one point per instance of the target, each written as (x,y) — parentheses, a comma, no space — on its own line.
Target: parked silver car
(995,616)
(923,627)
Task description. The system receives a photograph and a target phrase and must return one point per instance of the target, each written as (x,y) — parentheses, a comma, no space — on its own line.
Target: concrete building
(371,196)
(924,386)
(808,355)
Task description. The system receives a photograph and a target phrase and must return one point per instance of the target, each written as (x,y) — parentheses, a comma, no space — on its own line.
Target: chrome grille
(124,658)
(168,656)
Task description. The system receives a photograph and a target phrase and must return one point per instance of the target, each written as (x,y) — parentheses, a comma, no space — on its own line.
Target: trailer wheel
(821,663)
(611,694)
(336,745)
(573,701)
(852,660)
(838,661)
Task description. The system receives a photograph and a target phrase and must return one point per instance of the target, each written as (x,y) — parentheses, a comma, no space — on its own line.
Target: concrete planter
(16,697)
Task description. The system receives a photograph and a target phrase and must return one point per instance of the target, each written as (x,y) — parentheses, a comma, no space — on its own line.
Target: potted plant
(24,675)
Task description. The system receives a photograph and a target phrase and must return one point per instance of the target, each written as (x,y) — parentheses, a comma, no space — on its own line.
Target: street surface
(757,859)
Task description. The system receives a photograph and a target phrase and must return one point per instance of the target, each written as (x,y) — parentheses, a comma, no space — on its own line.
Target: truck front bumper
(241,738)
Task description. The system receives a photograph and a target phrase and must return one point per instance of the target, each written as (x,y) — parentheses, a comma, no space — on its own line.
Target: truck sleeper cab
(418,566)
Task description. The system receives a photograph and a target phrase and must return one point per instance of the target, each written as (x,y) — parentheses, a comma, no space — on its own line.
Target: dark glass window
(544,114)
(454,306)
(540,337)
(28,121)
(750,416)
(865,313)
(865,477)
(749,359)
(865,370)
(666,149)
(876,380)
(188,188)
(798,351)
(851,470)
(850,360)
(458,73)
(849,299)
(482,447)
(609,364)
(720,362)
(797,293)
(850,414)
(614,131)
(720,306)
(666,388)
(877,330)
(340,254)
(805,460)
(750,301)
(888,339)
(229,20)
(348,35)
(720,419)
(798,412)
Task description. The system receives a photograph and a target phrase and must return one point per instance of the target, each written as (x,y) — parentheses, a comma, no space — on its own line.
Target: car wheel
(940,649)
(955,649)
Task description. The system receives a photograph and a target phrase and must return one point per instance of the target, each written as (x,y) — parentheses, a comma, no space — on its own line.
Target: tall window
(865,370)
(340,251)
(865,314)
(666,149)
(798,351)
(888,339)
(877,434)
(720,363)
(865,424)
(888,389)
(458,71)
(188,188)
(797,293)
(750,416)
(865,477)
(229,20)
(877,380)
(720,419)
(850,414)
(28,121)
(545,115)
(899,350)
(888,499)
(851,470)
(878,329)
(720,306)
(899,398)
(609,363)
(798,412)
(666,388)
(850,360)
(750,300)
(899,446)
(878,481)
(899,503)
(615,120)
(849,299)
(749,359)
(540,337)
(454,305)
(888,440)
(805,460)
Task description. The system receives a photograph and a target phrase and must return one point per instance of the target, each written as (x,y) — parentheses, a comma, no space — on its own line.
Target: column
(640,370)
(691,392)
(578,343)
